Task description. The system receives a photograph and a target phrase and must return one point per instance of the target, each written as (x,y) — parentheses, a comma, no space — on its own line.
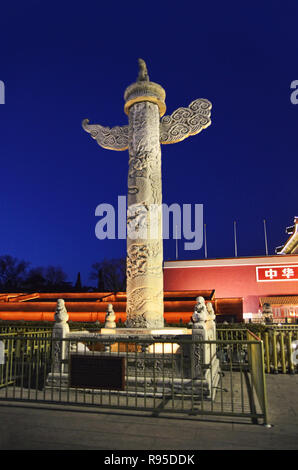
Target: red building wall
(233,277)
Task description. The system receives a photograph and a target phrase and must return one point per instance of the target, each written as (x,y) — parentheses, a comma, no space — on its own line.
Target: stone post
(60,331)
(110,317)
(203,330)
(199,319)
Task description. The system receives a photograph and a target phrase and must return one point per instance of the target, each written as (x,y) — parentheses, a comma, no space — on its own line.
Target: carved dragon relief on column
(174,128)
(138,257)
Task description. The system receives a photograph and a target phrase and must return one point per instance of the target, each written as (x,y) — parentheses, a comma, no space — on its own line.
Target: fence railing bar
(221,379)
(211,365)
(291,365)
(239,353)
(172,376)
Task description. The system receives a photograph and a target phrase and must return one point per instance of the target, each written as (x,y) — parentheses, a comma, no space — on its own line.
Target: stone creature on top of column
(146,130)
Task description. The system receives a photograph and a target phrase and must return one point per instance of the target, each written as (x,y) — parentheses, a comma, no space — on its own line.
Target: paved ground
(48,427)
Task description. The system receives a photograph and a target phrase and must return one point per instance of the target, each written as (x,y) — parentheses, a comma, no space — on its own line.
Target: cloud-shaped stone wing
(185,122)
(115,138)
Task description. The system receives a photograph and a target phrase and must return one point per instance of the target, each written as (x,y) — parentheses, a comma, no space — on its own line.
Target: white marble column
(144,221)
(144,106)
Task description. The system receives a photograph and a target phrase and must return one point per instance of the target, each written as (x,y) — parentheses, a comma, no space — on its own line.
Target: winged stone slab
(176,127)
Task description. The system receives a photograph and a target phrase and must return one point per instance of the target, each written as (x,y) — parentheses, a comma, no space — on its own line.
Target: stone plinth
(142,332)
(174,359)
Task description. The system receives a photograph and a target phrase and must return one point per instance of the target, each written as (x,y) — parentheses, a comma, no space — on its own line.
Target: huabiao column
(145,132)
(144,104)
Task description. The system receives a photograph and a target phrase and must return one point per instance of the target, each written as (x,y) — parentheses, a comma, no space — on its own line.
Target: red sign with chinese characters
(277,273)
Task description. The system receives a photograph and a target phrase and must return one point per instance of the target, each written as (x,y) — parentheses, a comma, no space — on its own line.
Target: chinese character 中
(271,273)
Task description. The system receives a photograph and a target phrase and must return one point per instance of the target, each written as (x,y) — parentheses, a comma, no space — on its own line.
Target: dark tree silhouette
(55,276)
(12,273)
(110,275)
(46,279)
(15,277)
(35,280)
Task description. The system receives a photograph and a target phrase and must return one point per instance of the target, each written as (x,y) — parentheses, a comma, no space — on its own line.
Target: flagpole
(265,235)
(205,240)
(235,238)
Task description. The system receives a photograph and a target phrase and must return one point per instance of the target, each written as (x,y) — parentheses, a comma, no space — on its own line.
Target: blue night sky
(65,61)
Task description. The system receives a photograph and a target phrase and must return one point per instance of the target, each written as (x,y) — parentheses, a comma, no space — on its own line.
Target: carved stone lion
(110,317)
(61,315)
(200,315)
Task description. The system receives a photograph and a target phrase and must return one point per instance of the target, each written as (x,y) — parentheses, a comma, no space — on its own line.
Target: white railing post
(60,332)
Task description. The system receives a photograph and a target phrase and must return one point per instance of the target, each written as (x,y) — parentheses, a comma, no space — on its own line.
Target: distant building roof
(280,300)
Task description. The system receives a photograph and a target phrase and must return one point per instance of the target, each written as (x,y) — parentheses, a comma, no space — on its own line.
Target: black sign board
(93,371)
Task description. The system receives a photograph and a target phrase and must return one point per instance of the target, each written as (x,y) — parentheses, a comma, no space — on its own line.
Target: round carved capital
(145,91)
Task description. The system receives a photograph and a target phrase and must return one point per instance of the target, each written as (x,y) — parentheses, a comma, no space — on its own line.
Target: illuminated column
(144,105)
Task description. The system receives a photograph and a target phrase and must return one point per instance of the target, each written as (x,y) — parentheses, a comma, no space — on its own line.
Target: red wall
(230,281)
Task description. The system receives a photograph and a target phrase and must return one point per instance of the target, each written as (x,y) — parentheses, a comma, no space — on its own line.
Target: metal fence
(158,375)
(21,329)
(279,350)
(17,350)
(280,343)
(231,334)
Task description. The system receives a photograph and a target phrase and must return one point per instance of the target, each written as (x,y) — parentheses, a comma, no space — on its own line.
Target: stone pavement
(33,426)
